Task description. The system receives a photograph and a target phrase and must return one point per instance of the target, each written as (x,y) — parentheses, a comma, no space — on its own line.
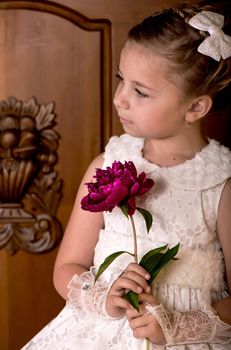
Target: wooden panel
(102,26)
(32,301)
(4,296)
(47,57)
(4,303)
(52,59)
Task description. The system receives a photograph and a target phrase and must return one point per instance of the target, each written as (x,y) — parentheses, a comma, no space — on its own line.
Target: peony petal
(95,202)
(131,205)
(96,207)
(114,185)
(126,179)
(131,167)
(95,197)
(117,195)
(142,177)
(146,186)
(135,189)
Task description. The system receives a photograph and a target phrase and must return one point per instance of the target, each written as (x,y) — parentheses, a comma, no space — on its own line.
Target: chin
(134,133)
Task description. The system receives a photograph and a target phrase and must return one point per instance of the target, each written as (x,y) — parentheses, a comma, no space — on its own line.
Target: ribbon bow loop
(218,44)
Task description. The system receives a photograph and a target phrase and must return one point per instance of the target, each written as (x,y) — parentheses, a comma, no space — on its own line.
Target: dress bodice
(184,204)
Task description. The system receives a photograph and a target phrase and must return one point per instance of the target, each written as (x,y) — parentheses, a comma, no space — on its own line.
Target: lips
(124,120)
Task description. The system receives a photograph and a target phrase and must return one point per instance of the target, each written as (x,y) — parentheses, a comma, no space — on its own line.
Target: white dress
(184,203)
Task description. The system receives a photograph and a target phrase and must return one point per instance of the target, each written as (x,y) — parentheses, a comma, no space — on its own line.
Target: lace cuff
(88,296)
(191,326)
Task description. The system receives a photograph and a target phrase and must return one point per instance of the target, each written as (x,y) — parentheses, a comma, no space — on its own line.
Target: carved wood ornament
(29,189)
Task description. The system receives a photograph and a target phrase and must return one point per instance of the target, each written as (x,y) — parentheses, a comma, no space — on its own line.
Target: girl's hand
(144,324)
(134,278)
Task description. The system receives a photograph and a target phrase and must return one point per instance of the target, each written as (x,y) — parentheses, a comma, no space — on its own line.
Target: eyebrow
(138,83)
(143,85)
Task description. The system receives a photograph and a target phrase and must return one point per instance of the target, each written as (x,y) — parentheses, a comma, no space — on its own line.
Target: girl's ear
(198,108)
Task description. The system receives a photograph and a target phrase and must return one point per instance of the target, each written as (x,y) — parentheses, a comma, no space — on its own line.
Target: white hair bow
(218,44)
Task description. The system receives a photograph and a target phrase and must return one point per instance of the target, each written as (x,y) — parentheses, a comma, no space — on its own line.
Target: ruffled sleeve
(89,296)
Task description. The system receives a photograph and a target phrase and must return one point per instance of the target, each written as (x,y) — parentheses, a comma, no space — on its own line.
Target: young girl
(175,68)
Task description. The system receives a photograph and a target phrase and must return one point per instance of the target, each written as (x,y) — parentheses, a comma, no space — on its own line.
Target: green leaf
(165,258)
(147,217)
(153,262)
(108,260)
(151,265)
(124,209)
(150,259)
(132,298)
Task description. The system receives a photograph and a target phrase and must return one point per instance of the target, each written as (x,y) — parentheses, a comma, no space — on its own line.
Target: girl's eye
(119,77)
(140,94)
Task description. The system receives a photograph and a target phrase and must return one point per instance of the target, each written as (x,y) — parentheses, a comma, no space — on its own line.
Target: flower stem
(136,260)
(134,239)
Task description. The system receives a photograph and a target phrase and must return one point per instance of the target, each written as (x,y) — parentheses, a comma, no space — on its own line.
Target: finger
(138,273)
(134,276)
(141,332)
(140,321)
(144,309)
(123,283)
(133,313)
(139,270)
(119,302)
(146,326)
(148,298)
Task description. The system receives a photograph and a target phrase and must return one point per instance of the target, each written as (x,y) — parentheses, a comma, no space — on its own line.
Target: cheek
(156,122)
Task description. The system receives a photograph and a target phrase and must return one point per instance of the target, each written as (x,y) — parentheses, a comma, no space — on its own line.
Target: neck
(170,152)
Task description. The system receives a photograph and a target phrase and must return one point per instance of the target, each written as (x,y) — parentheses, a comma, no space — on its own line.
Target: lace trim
(191,326)
(210,167)
(86,295)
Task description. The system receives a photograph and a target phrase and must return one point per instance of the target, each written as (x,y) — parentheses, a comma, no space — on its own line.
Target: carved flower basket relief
(29,188)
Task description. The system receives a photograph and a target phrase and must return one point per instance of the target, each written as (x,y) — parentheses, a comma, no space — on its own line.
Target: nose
(121,99)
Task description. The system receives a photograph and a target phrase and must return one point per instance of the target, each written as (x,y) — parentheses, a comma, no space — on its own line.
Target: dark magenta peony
(117,185)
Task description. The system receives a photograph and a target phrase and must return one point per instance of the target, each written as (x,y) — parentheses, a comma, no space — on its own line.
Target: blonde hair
(170,36)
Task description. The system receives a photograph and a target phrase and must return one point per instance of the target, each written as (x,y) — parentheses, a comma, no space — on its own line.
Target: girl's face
(149,105)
